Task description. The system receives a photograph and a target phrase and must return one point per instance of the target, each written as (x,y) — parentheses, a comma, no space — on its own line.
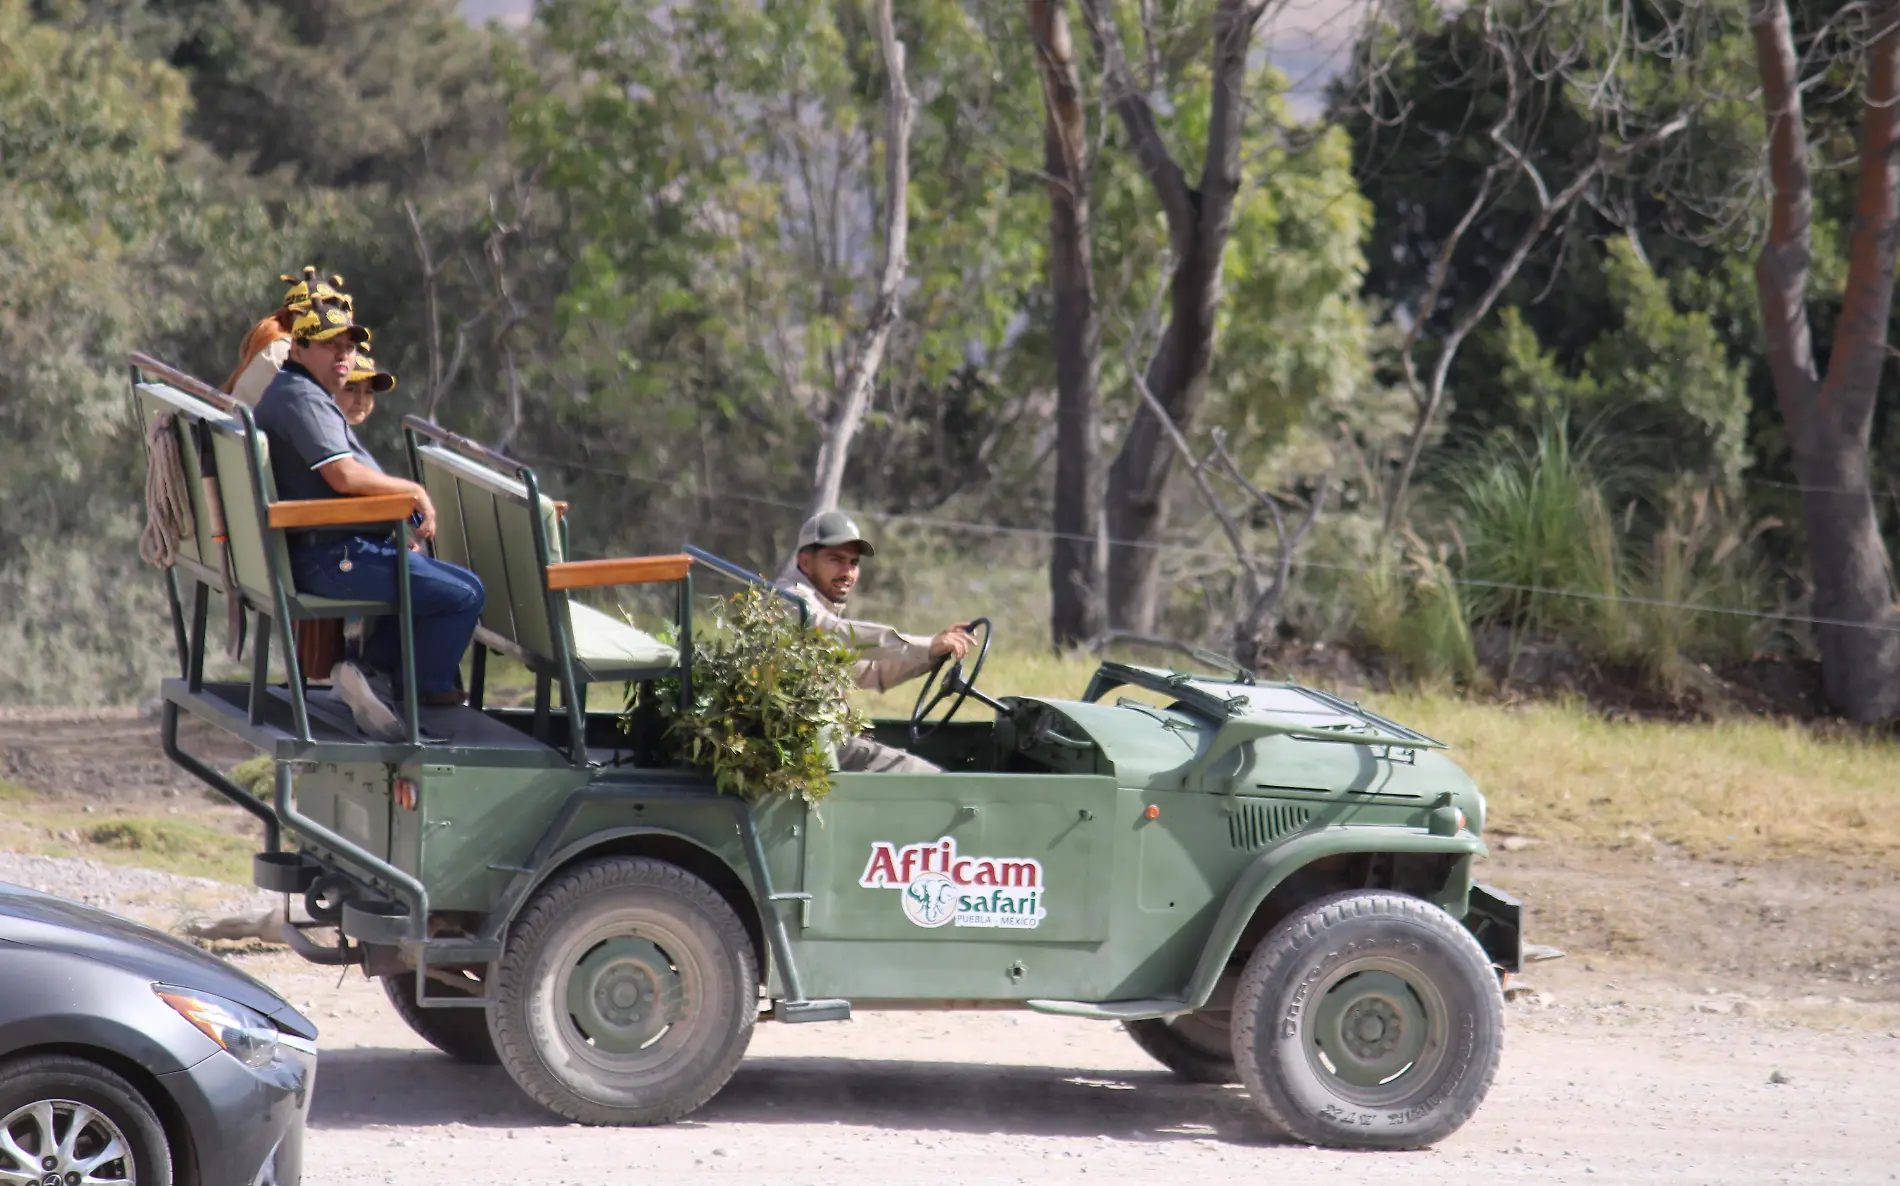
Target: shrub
(1535,548)
(770,698)
(1704,554)
(1408,605)
(1533,517)
(257,775)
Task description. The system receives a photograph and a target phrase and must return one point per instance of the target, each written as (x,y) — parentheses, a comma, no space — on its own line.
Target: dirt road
(1651,1054)
(1664,1087)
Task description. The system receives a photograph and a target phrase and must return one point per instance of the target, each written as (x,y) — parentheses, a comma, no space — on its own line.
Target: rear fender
(1280,862)
(638,839)
(609,842)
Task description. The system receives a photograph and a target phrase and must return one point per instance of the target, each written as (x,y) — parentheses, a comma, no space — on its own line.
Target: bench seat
(484,525)
(250,560)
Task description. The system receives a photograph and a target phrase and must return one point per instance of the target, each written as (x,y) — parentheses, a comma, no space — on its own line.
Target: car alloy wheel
(63,1143)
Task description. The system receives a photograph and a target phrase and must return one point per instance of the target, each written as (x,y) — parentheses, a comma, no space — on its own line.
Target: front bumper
(246,1126)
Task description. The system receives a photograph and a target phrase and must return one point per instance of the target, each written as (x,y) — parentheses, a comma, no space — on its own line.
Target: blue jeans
(447,601)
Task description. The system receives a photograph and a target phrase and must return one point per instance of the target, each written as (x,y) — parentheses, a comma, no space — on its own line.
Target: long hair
(273,328)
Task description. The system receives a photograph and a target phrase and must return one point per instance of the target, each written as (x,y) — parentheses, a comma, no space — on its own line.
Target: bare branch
(855,398)
(1549,206)
(1138,117)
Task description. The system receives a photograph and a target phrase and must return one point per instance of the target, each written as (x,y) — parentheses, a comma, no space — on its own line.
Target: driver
(822,574)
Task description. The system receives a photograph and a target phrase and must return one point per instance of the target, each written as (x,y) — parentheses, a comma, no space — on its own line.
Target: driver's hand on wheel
(955,642)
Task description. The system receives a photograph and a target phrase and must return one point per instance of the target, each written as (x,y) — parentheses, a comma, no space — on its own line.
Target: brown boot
(453,698)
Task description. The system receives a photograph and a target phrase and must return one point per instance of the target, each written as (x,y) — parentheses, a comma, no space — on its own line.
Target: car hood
(34,919)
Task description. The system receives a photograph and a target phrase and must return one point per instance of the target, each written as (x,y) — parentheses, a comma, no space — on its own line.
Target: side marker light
(1153,812)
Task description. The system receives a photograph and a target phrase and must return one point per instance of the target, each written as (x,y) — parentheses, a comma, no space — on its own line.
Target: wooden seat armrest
(630,570)
(342,512)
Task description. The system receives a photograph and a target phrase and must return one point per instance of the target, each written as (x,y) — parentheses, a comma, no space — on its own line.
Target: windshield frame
(1196,693)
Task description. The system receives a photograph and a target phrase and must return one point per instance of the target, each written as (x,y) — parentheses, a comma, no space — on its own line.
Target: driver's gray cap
(833,529)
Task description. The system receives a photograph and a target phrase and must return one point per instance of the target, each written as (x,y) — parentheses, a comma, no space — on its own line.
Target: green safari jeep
(1262,882)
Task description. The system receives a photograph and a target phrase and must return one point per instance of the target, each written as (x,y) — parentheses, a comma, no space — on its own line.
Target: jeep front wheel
(1368,1020)
(627,993)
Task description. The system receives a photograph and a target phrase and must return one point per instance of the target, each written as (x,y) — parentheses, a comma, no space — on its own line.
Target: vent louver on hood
(1255,824)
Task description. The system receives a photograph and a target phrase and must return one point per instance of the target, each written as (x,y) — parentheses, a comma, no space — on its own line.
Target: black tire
(1353,986)
(673,1002)
(460,1032)
(1196,1046)
(62,1084)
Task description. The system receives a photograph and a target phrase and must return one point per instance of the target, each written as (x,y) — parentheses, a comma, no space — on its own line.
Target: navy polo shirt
(307,431)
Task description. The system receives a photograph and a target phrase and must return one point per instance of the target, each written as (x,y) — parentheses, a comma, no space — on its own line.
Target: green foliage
(1533,516)
(85,127)
(257,775)
(1407,605)
(1680,404)
(177,840)
(771,697)
(1536,549)
(1705,554)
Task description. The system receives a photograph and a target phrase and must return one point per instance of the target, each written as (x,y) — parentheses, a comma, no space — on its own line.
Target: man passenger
(314,455)
(822,574)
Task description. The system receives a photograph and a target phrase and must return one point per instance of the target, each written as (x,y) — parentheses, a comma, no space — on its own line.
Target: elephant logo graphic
(930,900)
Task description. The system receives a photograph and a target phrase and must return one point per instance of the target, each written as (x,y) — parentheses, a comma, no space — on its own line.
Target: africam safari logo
(940,886)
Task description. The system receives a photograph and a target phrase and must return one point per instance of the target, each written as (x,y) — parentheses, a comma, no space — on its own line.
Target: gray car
(127,1056)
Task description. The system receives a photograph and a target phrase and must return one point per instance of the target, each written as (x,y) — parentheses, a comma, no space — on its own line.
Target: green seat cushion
(604,642)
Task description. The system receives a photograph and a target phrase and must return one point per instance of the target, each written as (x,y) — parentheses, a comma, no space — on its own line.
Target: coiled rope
(167,497)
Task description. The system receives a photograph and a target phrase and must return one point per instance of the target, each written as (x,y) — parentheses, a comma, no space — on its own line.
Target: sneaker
(374,718)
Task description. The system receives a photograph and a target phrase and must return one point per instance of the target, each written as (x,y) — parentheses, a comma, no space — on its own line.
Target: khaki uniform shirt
(887,656)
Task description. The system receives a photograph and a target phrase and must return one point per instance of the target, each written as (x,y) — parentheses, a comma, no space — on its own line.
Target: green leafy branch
(771,697)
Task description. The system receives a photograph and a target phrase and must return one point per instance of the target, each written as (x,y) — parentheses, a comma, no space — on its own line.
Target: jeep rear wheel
(627,993)
(459,1031)
(1368,1020)
(1196,1046)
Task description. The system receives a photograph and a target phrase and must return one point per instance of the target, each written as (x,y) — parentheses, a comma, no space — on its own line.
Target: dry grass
(194,847)
(1744,789)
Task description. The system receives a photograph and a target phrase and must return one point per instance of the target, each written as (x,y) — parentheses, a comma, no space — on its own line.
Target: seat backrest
(483,522)
(249,537)
(200,544)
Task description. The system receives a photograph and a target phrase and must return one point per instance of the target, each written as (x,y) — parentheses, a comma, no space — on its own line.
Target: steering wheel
(954,684)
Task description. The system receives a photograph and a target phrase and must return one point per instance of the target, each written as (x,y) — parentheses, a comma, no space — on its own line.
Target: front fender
(1281,861)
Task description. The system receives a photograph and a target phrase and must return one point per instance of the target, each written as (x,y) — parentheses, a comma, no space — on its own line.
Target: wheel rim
(63,1143)
(629,993)
(624,994)
(1378,1031)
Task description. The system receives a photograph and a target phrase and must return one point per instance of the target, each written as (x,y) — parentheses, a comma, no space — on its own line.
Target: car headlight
(244,1033)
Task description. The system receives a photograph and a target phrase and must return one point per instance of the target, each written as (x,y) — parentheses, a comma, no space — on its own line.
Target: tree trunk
(847,410)
(1076,564)
(1199,222)
(1829,420)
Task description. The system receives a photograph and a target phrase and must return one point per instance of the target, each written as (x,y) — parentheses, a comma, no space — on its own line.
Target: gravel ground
(165,900)
(1588,1093)
(1604,1079)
